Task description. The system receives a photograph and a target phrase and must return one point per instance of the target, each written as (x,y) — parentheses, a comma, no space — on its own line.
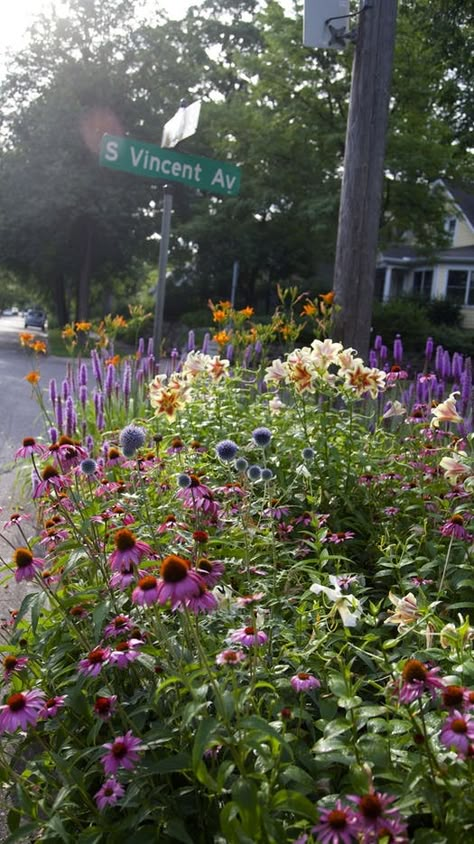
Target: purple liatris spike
(422,389)
(53,435)
(83,395)
(100,421)
(466,386)
(89,441)
(191,341)
(96,367)
(429,348)
(247,355)
(109,380)
(70,416)
(446,366)
(83,375)
(59,414)
(53,391)
(457,366)
(383,353)
(150,349)
(398,349)
(439,358)
(127,382)
(378,343)
(373,360)
(205,343)
(70,377)
(440,391)
(65,389)
(141,347)
(229,352)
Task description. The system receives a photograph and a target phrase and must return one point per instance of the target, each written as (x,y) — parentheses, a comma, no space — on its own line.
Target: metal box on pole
(325,23)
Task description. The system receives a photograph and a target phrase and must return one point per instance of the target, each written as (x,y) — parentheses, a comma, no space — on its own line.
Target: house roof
(463,198)
(408,256)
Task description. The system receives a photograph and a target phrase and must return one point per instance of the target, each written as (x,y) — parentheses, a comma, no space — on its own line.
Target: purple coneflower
(50,480)
(21,709)
(375,817)
(15,519)
(204,601)
(455,527)
(211,571)
(303,682)
(104,707)
(146,591)
(29,447)
(52,706)
(118,626)
(340,536)
(109,794)
(417,679)
(125,652)
(93,663)
(248,636)
(13,663)
(336,826)
(123,578)
(178,582)
(123,752)
(128,549)
(458,732)
(230,657)
(26,564)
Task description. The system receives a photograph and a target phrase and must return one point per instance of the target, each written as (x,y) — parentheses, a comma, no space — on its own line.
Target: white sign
(324,22)
(182,125)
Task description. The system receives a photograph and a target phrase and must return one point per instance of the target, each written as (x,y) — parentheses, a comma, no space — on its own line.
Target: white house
(449,275)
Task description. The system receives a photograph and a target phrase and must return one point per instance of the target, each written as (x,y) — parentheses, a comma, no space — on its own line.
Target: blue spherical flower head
(131,438)
(308,454)
(267,475)
(261,436)
(88,466)
(241,464)
(184,481)
(254,472)
(226,450)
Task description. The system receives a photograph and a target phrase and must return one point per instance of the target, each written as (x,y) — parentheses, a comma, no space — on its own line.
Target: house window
(422,281)
(460,287)
(450,227)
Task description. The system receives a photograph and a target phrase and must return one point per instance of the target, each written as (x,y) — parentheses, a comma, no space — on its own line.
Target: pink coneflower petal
(52,706)
(21,709)
(304,682)
(109,793)
(248,636)
(123,752)
(93,663)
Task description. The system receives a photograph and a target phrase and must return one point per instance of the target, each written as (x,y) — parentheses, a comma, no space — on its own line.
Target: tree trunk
(62,311)
(361,194)
(83,287)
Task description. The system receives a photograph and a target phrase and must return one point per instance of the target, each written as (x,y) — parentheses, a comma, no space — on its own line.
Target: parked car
(35,318)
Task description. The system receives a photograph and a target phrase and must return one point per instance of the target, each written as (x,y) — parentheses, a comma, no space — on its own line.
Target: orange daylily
(26,337)
(222,337)
(247,312)
(327,298)
(68,332)
(33,377)
(38,346)
(115,360)
(308,309)
(219,315)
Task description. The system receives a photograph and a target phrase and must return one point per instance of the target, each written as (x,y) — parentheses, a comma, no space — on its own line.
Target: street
(19,418)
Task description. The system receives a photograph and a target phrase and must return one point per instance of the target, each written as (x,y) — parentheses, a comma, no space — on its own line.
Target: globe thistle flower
(261,436)
(89,466)
(226,450)
(303,682)
(241,464)
(26,564)
(184,480)
(254,472)
(21,709)
(308,454)
(109,794)
(131,439)
(267,475)
(123,752)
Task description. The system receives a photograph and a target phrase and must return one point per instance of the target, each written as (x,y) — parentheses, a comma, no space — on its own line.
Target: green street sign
(129,156)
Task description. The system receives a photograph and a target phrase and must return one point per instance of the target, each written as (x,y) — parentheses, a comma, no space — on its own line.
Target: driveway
(19,417)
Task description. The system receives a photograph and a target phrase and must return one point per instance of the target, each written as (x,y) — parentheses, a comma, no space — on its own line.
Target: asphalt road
(19,418)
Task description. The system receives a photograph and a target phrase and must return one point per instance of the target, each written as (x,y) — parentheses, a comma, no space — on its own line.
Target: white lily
(348,606)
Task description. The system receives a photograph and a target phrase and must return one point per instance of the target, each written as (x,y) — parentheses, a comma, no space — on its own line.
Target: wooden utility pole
(362,184)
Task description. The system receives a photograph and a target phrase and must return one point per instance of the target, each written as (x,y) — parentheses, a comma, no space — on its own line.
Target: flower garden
(249,615)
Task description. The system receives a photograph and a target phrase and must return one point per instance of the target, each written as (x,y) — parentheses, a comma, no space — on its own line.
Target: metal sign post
(162,266)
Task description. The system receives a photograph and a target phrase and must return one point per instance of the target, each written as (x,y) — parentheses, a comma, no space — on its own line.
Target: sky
(17,16)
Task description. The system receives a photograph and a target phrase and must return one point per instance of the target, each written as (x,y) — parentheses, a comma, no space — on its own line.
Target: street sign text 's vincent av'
(130,156)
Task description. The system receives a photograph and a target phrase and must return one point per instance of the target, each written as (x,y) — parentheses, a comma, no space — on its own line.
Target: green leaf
(296,803)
